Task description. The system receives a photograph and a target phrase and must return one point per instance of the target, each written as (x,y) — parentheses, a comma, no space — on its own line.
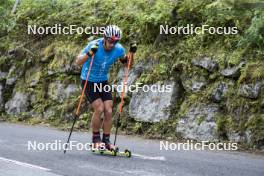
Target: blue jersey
(102,61)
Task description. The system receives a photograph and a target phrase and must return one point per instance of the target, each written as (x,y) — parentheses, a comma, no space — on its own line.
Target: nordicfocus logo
(59,29)
(99,87)
(190,29)
(57,145)
(203,145)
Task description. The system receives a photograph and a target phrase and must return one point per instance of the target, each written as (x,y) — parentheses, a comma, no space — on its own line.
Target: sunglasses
(111,41)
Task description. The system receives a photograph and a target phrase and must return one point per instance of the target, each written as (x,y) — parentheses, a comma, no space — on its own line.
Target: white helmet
(112,32)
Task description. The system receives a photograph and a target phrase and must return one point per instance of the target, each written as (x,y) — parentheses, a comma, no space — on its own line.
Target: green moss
(49,51)
(4,63)
(234,58)
(162,129)
(137,128)
(65,53)
(200,119)
(253,71)
(240,109)
(55,121)
(256,126)
(223,126)
(86,116)
(35,121)
(33,75)
(189,101)
(7,93)
(184,107)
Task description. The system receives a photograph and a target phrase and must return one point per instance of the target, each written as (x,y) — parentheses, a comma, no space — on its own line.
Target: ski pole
(130,60)
(77,112)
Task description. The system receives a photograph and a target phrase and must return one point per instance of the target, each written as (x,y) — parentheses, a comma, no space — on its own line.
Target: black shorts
(92,93)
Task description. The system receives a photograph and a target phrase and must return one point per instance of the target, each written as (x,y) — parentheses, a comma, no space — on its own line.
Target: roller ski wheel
(111,147)
(98,146)
(114,151)
(127,153)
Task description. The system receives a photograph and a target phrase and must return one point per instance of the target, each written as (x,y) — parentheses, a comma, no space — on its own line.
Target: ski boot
(108,145)
(97,143)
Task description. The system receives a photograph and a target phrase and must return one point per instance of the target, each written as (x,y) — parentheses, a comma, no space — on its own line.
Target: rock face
(193,84)
(3,75)
(219,91)
(50,112)
(73,69)
(153,106)
(33,76)
(58,92)
(132,76)
(18,53)
(11,77)
(206,63)
(199,123)
(19,103)
(250,90)
(1,97)
(14,73)
(71,89)
(239,138)
(134,73)
(232,72)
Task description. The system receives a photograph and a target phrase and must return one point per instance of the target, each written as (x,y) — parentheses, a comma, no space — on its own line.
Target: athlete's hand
(93,49)
(133,47)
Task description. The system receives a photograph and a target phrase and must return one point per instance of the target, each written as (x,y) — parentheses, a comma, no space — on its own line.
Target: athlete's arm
(81,58)
(133,49)
(124,61)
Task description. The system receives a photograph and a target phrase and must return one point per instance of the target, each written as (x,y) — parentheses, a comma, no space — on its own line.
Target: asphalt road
(147,159)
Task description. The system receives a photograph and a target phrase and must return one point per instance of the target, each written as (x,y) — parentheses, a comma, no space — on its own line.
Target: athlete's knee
(99,109)
(108,111)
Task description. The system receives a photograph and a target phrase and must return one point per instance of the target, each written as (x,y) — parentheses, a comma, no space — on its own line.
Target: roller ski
(107,148)
(113,151)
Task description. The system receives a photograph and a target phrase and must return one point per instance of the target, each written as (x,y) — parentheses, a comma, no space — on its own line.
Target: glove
(93,50)
(133,47)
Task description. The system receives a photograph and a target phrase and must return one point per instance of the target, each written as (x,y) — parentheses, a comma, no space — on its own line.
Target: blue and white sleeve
(122,53)
(87,48)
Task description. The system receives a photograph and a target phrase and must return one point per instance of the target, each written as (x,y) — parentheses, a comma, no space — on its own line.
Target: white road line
(161,158)
(141,172)
(23,164)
